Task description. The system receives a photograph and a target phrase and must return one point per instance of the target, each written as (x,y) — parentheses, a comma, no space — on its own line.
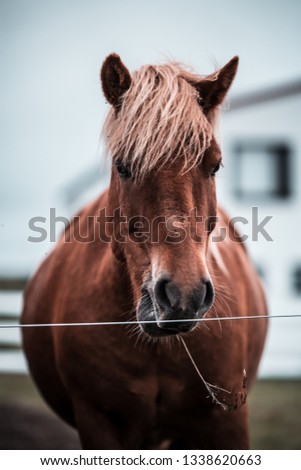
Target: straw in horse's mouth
(238,398)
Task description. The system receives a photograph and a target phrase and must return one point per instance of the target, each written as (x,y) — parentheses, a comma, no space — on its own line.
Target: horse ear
(214,87)
(115,79)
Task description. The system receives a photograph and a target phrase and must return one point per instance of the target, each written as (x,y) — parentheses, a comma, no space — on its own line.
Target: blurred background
(51,117)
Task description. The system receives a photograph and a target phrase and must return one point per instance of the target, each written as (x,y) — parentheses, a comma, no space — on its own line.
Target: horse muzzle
(166,310)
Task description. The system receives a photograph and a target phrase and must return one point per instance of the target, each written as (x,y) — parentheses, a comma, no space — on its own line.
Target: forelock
(159,121)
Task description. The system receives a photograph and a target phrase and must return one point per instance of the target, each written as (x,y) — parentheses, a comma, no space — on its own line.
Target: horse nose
(169,297)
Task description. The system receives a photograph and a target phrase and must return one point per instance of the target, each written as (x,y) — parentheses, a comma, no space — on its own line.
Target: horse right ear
(213,88)
(115,79)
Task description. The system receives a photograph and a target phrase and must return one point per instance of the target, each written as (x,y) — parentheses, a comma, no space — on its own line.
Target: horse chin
(156,328)
(156,331)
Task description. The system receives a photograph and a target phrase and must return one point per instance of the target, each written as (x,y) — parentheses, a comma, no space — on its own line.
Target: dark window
(297,280)
(262,170)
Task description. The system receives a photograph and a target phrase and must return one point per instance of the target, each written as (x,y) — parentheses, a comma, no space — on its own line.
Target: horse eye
(123,170)
(216,169)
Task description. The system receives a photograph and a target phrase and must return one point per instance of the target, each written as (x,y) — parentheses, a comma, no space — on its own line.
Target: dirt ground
(27,423)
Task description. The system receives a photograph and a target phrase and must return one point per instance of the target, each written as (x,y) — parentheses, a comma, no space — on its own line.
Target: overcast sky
(52,106)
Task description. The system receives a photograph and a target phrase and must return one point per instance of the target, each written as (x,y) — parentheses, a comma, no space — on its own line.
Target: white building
(262,154)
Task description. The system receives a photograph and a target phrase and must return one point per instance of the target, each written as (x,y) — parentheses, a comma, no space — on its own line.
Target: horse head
(160,132)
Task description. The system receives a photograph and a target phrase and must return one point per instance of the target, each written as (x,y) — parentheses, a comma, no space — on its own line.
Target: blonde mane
(159,121)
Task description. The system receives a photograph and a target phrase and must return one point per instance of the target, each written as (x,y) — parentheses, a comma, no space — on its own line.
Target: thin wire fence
(137,322)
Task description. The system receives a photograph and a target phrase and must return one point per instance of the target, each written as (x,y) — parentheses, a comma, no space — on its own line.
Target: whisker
(219,323)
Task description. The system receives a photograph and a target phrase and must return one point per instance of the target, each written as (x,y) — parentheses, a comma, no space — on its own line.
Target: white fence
(11,356)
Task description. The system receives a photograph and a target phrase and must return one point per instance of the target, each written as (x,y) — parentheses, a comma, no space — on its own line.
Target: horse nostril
(202,298)
(208,300)
(201,294)
(166,293)
(206,297)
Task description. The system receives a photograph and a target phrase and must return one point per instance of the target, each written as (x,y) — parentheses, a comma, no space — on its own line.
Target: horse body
(124,388)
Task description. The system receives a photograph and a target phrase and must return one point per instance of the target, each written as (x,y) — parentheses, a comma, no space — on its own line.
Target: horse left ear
(214,87)
(115,79)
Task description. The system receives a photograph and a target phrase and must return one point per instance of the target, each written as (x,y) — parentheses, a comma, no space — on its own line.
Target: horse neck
(112,272)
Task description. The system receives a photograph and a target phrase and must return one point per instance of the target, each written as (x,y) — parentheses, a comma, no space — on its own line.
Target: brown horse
(155,249)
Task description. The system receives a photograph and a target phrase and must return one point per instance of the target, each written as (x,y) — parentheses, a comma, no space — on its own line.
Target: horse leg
(95,431)
(224,430)
(109,430)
